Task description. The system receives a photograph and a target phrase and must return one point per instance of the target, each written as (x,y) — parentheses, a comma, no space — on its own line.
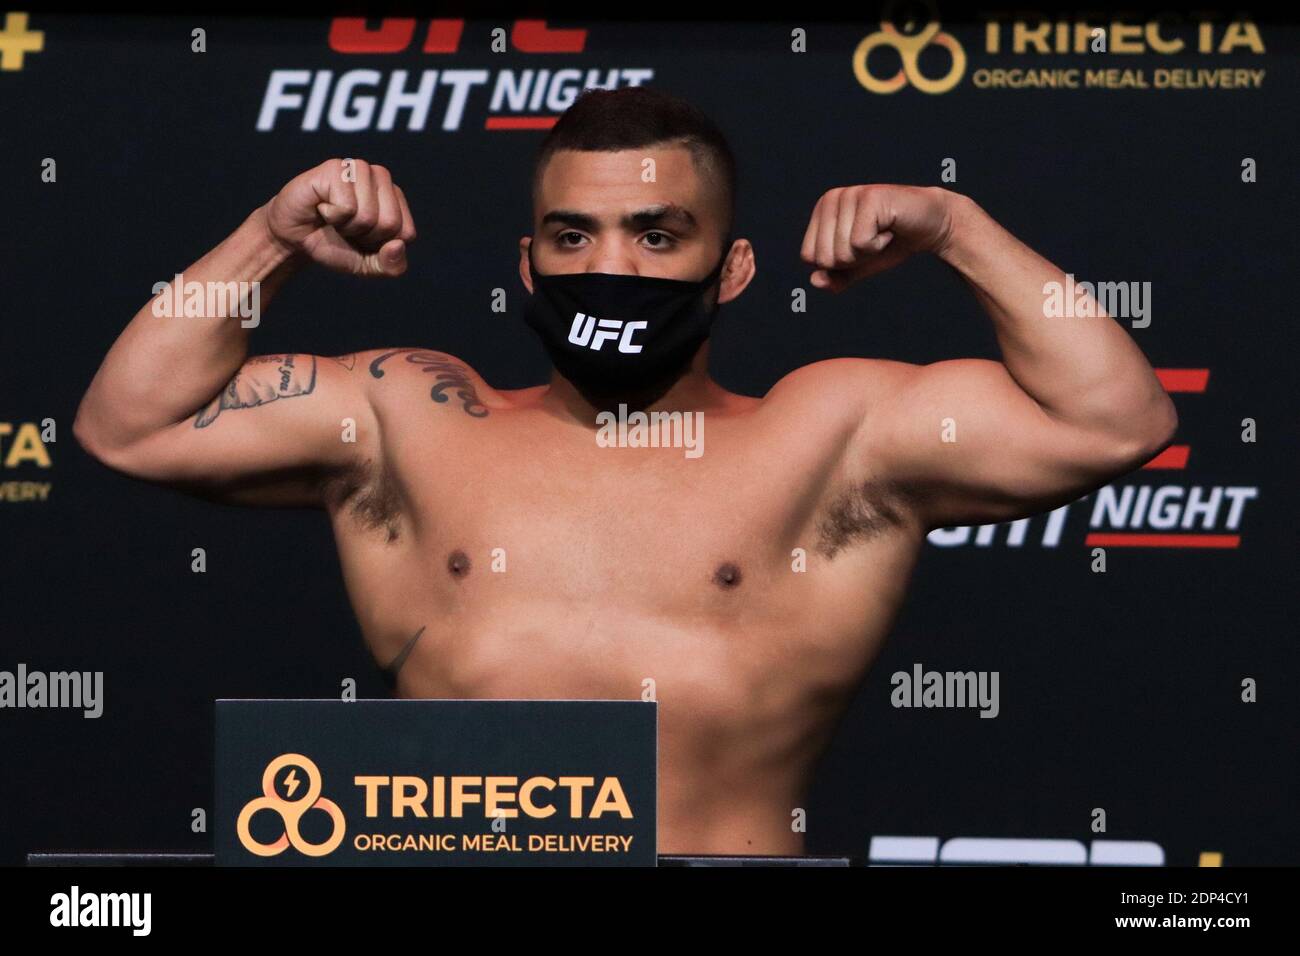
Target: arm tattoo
(447,375)
(261,380)
(348,361)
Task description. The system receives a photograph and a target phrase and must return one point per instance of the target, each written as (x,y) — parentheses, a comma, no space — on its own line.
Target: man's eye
(566,235)
(664,237)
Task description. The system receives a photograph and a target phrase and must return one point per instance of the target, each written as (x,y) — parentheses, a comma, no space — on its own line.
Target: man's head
(632,181)
(633,203)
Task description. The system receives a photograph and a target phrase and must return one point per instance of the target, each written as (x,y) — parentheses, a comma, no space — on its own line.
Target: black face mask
(619,333)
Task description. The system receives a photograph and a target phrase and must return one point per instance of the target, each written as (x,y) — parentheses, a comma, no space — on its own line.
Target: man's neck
(693,390)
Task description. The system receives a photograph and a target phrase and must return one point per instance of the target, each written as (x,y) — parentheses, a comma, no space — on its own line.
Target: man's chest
(745,501)
(652,487)
(531,534)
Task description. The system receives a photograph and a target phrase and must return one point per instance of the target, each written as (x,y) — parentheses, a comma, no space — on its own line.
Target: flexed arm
(178,401)
(1073,403)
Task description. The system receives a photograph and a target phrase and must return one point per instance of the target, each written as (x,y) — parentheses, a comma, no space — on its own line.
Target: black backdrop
(1119,690)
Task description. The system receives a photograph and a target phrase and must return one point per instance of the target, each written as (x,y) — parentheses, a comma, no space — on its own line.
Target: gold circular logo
(291,811)
(909,47)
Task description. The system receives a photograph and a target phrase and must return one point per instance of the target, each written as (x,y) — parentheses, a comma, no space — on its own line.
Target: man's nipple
(727,576)
(458,564)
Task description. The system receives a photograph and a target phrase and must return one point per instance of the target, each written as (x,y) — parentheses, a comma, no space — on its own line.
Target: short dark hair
(636,116)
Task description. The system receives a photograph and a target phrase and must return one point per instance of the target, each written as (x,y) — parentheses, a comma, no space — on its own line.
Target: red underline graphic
(519,122)
(1183,379)
(1163,540)
(1172,458)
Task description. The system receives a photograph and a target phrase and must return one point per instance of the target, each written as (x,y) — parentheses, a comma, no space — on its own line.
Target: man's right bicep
(280,425)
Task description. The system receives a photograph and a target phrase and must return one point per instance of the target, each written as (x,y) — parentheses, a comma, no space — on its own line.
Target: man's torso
(747,589)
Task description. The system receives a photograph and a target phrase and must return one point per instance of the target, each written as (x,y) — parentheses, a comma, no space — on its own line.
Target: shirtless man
(753,584)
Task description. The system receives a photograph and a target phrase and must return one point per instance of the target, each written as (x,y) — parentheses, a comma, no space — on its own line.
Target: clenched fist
(859,231)
(346,214)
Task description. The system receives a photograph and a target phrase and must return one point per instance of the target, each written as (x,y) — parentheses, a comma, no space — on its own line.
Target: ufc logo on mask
(580,333)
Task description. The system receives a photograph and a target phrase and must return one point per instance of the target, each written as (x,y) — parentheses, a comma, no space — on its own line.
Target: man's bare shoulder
(841,385)
(400,376)
(877,382)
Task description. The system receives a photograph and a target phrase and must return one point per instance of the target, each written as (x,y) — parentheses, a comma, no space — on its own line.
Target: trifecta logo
(907,44)
(1022,50)
(24,445)
(290,810)
(292,785)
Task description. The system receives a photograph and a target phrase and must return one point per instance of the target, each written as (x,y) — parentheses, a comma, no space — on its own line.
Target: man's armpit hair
(861,512)
(369,494)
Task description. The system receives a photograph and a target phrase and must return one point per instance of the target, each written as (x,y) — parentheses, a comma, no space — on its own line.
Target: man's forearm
(162,369)
(1085,371)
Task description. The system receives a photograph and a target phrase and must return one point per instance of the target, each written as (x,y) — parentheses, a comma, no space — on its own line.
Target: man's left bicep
(970,446)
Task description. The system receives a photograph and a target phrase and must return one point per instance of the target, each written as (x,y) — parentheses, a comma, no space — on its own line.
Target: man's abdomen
(743,711)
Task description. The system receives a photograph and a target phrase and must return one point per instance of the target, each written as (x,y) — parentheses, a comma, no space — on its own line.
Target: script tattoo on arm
(447,375)
(262,379)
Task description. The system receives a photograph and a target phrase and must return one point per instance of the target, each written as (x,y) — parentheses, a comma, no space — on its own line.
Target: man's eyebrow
(664,214)
(661,215)
(569,217)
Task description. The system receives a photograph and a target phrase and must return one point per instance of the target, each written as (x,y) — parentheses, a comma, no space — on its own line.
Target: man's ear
(741,267)
(525,272)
